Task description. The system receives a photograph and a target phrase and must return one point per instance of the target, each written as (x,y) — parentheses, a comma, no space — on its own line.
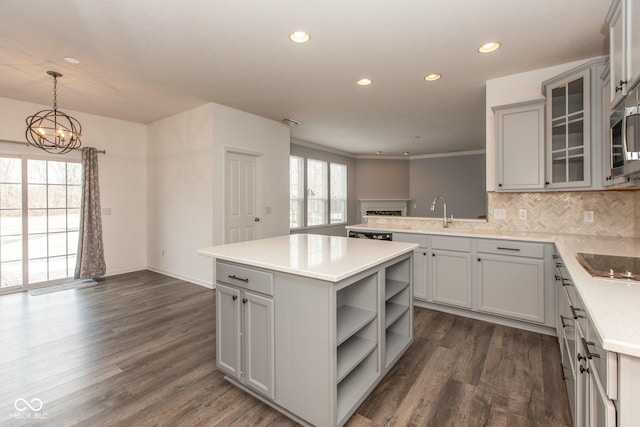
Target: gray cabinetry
(511,279)
(245,327)
(520,137)
(624,48)
(451,271)
(574,127)
(420,262)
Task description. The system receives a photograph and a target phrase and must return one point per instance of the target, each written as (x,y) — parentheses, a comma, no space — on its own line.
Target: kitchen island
(311,324)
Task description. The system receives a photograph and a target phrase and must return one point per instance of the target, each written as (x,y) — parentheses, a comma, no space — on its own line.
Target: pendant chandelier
(52,130)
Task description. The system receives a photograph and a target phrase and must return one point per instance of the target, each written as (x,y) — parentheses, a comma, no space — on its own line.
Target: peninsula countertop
(612,304)
(330,258)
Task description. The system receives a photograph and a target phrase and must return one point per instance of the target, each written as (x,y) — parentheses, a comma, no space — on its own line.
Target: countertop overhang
(329,258)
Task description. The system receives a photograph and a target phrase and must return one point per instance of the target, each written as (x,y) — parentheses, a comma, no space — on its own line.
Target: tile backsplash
(615,213)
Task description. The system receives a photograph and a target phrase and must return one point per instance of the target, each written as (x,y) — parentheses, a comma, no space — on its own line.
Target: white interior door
(242,195)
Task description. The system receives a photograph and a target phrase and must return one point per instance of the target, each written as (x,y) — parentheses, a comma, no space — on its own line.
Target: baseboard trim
(195,281)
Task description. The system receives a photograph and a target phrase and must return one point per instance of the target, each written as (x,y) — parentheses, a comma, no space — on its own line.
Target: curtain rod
(29,145)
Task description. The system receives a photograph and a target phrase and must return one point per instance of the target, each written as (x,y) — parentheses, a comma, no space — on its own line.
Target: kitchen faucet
(445,220)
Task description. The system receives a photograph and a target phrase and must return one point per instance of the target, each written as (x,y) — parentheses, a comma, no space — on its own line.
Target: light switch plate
(500,214)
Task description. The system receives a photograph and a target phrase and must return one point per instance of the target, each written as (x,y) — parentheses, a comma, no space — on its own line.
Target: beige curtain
(90,262)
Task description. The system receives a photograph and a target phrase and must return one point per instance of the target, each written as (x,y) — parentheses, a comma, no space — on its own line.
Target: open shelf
(394,345)
(393,287)
(350,320)
(351,353)
(393,312)
(353,387)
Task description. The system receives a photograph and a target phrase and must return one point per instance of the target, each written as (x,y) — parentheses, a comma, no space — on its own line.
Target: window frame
(328,204)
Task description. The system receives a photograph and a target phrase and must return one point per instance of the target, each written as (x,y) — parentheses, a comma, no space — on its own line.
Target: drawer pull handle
(508,249)
(581,357)
(244,300)
(235,297)
(233,276)
(559,264)
(564,325)
(566,282)
(583,369)
(574,312)
(586,345)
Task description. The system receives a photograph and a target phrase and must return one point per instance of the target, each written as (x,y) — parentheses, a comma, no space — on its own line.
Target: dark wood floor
(139,349)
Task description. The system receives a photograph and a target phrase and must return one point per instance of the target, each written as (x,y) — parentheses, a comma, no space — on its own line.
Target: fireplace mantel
(395,207)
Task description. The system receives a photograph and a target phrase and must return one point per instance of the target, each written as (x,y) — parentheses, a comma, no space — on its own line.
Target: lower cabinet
(420,271)
(451,278)
(245,337)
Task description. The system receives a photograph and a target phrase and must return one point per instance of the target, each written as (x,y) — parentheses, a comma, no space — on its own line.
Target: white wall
(510,89)
(122,176)
(186,184)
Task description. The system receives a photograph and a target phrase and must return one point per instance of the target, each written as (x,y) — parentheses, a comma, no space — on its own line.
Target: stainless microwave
(625,137)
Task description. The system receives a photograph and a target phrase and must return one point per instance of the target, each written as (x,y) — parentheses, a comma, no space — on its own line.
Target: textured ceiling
(143,60)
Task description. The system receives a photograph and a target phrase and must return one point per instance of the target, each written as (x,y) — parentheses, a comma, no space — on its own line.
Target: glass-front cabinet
(568,133)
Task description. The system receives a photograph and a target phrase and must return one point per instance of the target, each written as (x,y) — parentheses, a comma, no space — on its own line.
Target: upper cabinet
(574,127)
(624,48)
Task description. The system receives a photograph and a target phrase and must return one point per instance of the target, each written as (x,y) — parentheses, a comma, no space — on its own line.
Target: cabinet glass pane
(576,134)
(576,169)
(576,96)
(559,167)
(559,137)
(558,102)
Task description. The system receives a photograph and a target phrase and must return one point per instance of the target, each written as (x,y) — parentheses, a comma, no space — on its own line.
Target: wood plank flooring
(139,350)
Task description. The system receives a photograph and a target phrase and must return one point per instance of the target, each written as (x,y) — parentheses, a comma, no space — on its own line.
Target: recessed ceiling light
(406,153)
(378,152)
(299,37)
(489,47)
(72,60)
(364,82)
(291,122)
(432,77)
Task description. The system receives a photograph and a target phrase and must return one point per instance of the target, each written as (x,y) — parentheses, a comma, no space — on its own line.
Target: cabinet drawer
(605,363)
(420,239)
(510,247)
(246,278)
(459,244)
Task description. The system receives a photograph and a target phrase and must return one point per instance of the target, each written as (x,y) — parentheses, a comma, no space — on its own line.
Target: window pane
(74,173)
(10,222)
(57,220)
(57,173)
(10,170)
(37,270)
(58,268)
(11,273)
(317,189)
(57,196)
(37,246)
(37,221)
(72,242)
(296,192)
(338,193)
(57,244)
(11,196)
(37,196)
(74,195)
(37,171)
(73,219)
(11,248)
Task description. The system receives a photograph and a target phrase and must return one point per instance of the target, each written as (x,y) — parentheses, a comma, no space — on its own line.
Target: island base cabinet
(511,286)
(244,338)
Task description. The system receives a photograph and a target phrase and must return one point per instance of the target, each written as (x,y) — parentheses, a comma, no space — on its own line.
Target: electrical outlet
(106,211)
(589,217)
(522,214)
(500,214)
(415,206)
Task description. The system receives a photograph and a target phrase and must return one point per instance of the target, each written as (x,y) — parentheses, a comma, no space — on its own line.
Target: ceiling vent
(291,122)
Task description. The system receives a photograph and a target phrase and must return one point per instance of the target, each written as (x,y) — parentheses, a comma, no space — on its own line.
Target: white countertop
(613,305)
(330,258)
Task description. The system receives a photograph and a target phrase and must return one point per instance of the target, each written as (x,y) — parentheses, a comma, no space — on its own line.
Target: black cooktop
(611,266)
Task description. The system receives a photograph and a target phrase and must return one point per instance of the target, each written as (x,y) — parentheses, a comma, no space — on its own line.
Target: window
(317,192)
(39,220)
(296,192)
(324,201)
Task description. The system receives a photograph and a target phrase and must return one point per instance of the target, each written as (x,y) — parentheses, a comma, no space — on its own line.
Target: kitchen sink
(611,266)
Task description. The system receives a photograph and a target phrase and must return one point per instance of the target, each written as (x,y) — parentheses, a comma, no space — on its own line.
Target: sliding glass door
(39,199)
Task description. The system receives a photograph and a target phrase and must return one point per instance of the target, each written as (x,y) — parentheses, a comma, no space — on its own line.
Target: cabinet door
(228,330)
(258,343)
(511,286)
(420,273)
(617,56)
(633,41)
(568,132)
(602,412)
(520,136)
(451,278)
